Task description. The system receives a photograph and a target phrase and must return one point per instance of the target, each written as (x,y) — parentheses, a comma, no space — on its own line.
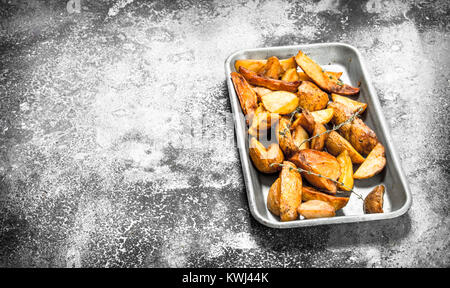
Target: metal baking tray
(333,57)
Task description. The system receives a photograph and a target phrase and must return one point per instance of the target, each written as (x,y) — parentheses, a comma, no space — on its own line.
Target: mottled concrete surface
(90,170)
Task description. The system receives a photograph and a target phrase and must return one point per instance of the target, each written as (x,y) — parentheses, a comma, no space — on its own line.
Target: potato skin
(273,84)
(291,192)
(256,64)
(319,142)
(316,209)
(263,158)
(298,136)
(309,193)
(290,75)
(374,163)
(318,162)
(272,69)
(311,97)
(284,137)
(306,120)
(247,97)
(373,203)
(336,144)
(273,198)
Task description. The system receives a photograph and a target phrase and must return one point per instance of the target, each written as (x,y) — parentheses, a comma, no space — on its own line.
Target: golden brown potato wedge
(263,158)
(290,75)
(318,162)
(273,84)
(280,102)
(346,171)
(303,77)
(373,164)
(261,121)
(316,209)
(256,65)
(327,82)
(288,63)
(298,136)
(272,68)
(291,191)
(323,116)
(284,137)
(351,104)
(319,142)
(373,203)
(306,120)
(336,144)
(311,97)
(273,198)
(261,91)
(309,193)
(247,97)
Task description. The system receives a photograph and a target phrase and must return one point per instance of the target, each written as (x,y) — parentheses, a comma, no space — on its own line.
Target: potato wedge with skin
(316,209)
(298,136)
(319,142)
(288,63)
(311,97)
(290,191)
(272,69)
(284,137)
(247,97)
(323,116)
(327,82)
(309,193)
(262,121)
(318,162)
(290,75)
(262,158)
(256,64)
(303,77)
(306,120)
(336,144)
(280,102)
(351,104)
(273,198)
(346,171)
(273,84)
(373,164)
(373,203)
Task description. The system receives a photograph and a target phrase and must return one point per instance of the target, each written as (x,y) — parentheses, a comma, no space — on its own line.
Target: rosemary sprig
(321,176)
(348,121)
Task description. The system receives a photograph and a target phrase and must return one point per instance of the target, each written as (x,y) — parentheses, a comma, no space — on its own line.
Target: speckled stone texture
(92,104)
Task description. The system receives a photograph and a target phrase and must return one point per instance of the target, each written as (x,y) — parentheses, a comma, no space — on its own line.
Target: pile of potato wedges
(304,125)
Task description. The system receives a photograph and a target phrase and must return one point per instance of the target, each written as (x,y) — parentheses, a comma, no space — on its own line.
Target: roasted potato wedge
(346,171)
(351,104)
(373,164)
(316,209)
(327,82)
(256,65)
(323,116)
(303,77)
(272,68)
(306,120)
(247,97)
(319,142)
(261,121)
(309,193)
(288,63)
(284,137)
(290,75)
(263,158)
(261,91)
(373,203)
(311,97)
(280,102)
(336,144)
(318,162)
(291,191)
(273,198)
(273,84)
(298,136)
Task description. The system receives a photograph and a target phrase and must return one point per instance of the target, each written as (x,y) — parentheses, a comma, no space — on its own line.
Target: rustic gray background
(89,172)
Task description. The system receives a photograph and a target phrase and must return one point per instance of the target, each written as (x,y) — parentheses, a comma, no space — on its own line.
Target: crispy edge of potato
(345,162)
(319,142)
(247,97)
(290,75)
(309,193)
(312,209)
(273,84)
(263,157)
(373,203)
(327,82)
(280,102)
(311,97)
(272,68)
(336,144)
(323,116)
(273,197)
(290,192)
(288,63)
(351,104)
(303,77)
(362,137)
(306,120)
(284,136)
(299,134)
(374,163)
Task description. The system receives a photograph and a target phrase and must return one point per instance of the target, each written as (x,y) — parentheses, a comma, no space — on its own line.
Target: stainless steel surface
(333,57)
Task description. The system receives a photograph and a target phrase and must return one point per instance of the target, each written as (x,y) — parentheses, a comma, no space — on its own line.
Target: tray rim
(235,107)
